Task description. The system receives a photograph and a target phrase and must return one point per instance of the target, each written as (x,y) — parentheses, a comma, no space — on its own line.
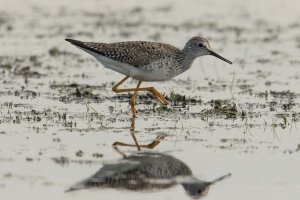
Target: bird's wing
(161,166)
(135,53)
(107,171)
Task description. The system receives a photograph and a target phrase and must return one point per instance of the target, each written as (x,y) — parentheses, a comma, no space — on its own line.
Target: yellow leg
(152,90)
(132,100)
(151,145)
(115,88)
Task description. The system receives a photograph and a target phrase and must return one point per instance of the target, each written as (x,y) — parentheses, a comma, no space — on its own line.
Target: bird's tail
(91,182)
(75,42)
(77,186)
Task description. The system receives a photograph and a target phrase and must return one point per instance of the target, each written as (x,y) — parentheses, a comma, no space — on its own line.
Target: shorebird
(147,61)
(147,171)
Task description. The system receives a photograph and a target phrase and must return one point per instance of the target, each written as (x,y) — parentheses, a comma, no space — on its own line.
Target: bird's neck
(185,59)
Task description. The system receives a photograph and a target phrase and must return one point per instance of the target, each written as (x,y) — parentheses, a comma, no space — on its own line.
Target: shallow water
(59,117)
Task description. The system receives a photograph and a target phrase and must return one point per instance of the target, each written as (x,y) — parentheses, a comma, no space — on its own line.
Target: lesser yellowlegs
(148,171)
(147,61)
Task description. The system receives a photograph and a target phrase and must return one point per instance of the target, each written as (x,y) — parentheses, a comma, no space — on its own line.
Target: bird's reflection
(146,171)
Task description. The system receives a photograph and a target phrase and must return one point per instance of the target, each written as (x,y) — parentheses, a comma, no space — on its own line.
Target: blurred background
(59,117)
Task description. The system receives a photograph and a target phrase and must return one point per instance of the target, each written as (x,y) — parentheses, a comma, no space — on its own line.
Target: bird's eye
(199,191)
(200,45)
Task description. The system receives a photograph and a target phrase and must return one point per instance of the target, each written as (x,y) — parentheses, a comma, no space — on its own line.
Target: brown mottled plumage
(147,61)
(136,53)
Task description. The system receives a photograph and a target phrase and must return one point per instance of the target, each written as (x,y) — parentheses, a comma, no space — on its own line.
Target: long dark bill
(218,56)
(221,178)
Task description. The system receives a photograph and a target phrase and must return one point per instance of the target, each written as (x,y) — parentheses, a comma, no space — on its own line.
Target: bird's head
(199,46)
(196,190)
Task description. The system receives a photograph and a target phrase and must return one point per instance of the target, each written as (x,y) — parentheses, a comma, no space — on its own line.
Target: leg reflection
(151,145)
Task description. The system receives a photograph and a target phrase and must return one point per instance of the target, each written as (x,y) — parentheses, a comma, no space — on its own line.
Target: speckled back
(135,53)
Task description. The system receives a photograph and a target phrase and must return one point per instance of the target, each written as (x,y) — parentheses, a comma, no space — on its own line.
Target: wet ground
(59,117)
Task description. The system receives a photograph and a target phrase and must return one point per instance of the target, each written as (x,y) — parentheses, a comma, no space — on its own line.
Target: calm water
(59,117)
